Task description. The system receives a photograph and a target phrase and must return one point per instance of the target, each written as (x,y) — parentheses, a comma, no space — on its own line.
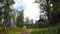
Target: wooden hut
(40,23)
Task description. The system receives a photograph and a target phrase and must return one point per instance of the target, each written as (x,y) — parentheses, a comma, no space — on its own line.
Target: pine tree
(20,19)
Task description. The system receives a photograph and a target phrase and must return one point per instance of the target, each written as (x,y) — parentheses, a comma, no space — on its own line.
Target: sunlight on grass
(12,31)
(39,31)
(20,30)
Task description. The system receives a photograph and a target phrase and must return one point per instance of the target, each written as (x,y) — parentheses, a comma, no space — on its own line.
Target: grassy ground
(16,31)
(25,31)
(39,31)
(12,31)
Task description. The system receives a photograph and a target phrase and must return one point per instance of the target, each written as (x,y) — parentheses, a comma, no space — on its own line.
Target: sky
(30,8)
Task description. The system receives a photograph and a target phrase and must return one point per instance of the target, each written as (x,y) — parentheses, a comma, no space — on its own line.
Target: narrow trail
(27,31)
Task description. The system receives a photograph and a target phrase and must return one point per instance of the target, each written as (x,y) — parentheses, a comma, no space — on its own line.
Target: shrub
(38,31)
(55,29)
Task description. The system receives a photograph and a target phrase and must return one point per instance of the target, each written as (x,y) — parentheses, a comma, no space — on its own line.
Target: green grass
(39,31)
(1,28)
(17,30)
(12,31)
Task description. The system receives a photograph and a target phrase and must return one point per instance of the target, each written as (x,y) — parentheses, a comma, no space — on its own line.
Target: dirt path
(27,31)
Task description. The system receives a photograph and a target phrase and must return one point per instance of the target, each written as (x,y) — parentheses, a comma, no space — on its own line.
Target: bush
(55,29)
(39,31)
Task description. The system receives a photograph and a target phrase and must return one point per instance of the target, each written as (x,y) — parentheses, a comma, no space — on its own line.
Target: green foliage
(7,7)
(4,14)
(55,29)
(0,17)
(53,12)
(11,2)
(1,27)
(20,19)
(39,31)
(1,0)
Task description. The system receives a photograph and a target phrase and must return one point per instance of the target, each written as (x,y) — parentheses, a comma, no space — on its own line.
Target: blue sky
(22,7)
(19,5)
(31,9)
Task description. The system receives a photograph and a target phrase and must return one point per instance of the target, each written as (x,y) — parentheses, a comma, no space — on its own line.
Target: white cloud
(31,8)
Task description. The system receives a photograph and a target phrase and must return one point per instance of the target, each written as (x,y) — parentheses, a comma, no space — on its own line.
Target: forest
(12,21)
